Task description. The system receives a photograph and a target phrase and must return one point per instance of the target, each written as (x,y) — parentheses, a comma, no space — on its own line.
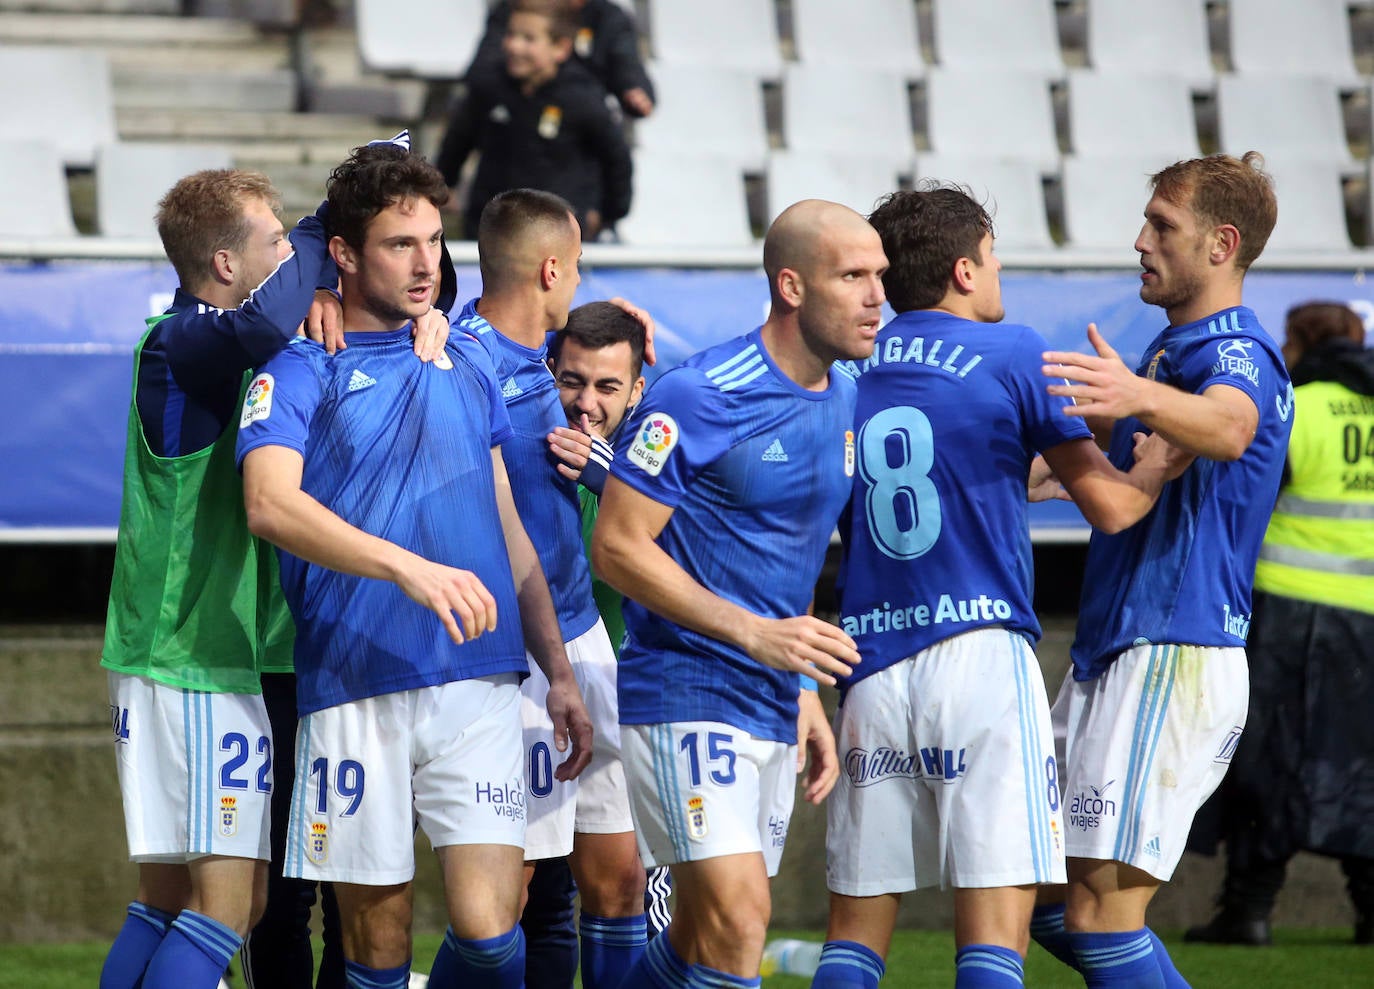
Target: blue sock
(659,967)
(988,966)
(1172,980)
(848,965)
(1117,960)
(490,963)
(194,954)
(1047,930)
(708,978)
(142,933)
(610,948)
(361,977)
(550,924)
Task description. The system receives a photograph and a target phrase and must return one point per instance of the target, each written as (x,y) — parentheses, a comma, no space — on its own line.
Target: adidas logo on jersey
(357,381)
(775,453)
(510,389)
(1152,846)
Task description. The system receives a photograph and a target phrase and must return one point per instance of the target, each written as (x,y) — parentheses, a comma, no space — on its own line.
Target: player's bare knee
(615,893)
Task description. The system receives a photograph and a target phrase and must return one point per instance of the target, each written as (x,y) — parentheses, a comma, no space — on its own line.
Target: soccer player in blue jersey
(714,525)
(944,729)
(382,480)
(1157,695)
(528,247)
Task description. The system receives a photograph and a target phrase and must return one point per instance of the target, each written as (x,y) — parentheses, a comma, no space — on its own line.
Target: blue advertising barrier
(68,329)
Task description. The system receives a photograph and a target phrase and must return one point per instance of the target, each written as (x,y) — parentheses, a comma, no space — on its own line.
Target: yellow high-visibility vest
(1320,542)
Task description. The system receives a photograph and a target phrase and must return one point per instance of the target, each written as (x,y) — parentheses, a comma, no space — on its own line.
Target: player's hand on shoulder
(1099,384)
(324,322)
(804,644)
(816,748)
(571,447)
(1154,452)
(572,727)
(1042,485)
(431,332)
(458,597)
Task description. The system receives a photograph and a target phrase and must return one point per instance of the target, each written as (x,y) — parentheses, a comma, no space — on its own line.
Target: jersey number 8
(896,453)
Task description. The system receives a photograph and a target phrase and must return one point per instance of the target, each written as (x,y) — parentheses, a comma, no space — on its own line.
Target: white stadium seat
(1104,200)
(872,34)
(35,203)
(684,200)
(1311,206)
(1012,191)
(998,35)
(130,179)
(1292,37)
(1294,117)
(853,112)
(59,94)
(981,113)
(432,39)
(857,181)
(706,109)
(1115,113)
(741,34)
(1168,36)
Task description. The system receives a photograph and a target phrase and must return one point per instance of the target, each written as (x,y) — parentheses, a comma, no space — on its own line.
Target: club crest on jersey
(442,362)
(696,819)
(228,817)
(257,404)
(1153,369)
(654,441)
(849,453)
(582,44)
(317,843)
(550,122)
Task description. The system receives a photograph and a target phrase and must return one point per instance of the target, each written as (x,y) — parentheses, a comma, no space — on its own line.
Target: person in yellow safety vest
(1302,776)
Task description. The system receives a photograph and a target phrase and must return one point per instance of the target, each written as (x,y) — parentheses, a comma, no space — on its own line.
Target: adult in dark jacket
(1302,777)
(606,44)
(540,123)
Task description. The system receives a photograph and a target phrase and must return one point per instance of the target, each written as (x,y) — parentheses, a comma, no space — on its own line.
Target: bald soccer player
(714,524)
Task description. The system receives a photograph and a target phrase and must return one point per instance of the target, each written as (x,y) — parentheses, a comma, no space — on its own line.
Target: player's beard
(389,312)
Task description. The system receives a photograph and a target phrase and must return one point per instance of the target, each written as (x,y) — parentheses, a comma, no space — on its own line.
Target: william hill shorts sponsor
(868,768)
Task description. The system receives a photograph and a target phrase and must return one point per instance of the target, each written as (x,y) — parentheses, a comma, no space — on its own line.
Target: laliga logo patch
(317,843)
(654,441)
(849,453)
(696,819)
(228,817)
(257,404)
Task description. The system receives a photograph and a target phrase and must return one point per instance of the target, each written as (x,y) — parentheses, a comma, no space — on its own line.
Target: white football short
(195,771)
(704,789)
(367,770)
(1143,746)
(947,773)
(597,802)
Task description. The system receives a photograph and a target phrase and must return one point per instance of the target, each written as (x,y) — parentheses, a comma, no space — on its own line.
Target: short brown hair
(1313,323)
(372,178)
(563,22)
(925,232)
(204,213)
(598,325)
(1222,189)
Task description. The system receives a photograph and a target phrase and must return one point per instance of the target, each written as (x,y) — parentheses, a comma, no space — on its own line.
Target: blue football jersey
(1184,573)
(547,501)
(401,450)
(756,469)
(937,542)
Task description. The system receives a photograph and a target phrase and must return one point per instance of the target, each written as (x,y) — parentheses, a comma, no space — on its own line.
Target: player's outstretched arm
(1110,499)
(280,512)
(626,556)
(816,741)
(1217,424)
(572,726)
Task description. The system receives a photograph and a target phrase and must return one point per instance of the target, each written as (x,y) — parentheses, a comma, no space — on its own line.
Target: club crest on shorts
(849,453)
(657,436)
(696,819)
(317,843)
(257,404)
(550,122)
(228,817)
